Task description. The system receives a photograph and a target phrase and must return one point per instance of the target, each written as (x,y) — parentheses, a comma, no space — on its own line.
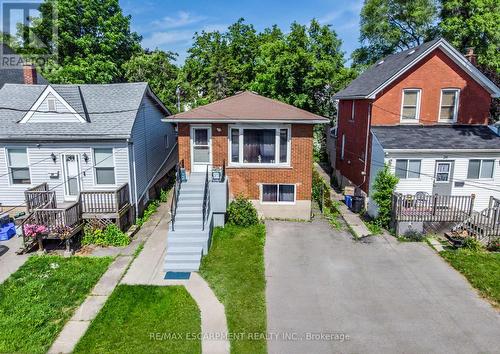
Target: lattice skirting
(98,223)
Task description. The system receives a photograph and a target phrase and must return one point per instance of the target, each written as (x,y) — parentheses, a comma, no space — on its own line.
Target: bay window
(259,145)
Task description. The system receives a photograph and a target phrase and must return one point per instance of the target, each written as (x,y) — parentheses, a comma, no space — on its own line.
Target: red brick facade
(246,181)
(432,74)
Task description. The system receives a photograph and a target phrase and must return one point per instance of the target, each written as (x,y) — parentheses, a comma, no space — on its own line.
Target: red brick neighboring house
(424,112)
(266,147)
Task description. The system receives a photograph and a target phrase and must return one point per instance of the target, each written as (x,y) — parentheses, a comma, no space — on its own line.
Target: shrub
(412,236)
(241,212)
(494,245)
(384,185)
(150,210)
(471,244)
(110,236)
(163,195)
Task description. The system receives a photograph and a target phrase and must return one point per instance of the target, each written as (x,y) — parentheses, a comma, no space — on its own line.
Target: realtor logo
(18,37)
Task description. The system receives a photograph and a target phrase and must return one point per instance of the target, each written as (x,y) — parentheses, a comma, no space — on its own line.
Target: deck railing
(206,201)
(38,196)
(105,201)
(483,225)
(431,208)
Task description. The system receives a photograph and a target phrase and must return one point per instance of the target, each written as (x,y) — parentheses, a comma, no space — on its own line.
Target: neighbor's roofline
(453,54)
(437,150)
(225,120)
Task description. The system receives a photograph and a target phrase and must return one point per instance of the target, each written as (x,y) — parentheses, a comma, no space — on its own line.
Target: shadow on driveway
(380,296)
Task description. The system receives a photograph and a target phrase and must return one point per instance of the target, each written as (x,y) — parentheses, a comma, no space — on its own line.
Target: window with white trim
(278,193)
(259,145)
(480,169)
(449,105)
(104,166)
(407,169)
(17,163)
(410,108)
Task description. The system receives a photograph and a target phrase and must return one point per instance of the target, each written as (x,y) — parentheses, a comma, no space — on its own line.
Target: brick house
(425,113)
(265,146)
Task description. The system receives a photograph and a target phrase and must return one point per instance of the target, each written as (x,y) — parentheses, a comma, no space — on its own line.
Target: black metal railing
(206,201)
(175,197)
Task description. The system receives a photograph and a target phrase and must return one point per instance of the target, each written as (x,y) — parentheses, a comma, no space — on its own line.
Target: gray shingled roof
(377,74)
(15,75)
(110,110)
(437,137)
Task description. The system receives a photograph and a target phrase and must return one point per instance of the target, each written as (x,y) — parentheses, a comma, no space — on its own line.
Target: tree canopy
(387,26)
(94,40)
(473,23)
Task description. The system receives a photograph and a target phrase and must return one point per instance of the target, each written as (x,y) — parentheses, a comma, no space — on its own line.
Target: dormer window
(449,105)
(410,108)
(51,103)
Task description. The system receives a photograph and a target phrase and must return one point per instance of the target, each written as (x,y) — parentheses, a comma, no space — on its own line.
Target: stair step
(188,217)
(188,226)
(181,267)
(183,258)
(190,202)
(190,209)
(184,250)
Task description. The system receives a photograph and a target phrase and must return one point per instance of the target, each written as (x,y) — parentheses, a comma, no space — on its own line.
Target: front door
(71,166)
(201,148)
(443,178)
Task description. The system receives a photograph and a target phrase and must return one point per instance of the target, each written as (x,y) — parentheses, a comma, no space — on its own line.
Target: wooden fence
(432,208)
(103,202)
(38,197)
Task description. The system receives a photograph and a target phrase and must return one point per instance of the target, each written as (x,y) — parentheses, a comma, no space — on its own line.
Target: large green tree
(158,70)
(388,26)
(473,23)
(305,67)
(220,64)
(93,40)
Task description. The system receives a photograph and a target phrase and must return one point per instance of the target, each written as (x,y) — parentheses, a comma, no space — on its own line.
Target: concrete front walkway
(147,269)
(76,327)
(9,260)
(376,296)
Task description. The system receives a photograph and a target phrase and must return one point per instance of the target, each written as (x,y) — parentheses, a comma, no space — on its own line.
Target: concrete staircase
(187,241)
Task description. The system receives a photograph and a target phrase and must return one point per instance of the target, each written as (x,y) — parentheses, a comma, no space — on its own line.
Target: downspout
(131,148)
(369,119)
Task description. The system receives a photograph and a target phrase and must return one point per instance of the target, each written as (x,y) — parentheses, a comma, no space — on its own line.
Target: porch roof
(247,106)
(437,137)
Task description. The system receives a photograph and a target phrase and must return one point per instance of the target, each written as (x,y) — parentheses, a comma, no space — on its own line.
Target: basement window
(278,193)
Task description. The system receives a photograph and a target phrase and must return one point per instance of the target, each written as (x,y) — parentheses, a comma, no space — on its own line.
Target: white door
(71,168)
(201,148)
(443,178)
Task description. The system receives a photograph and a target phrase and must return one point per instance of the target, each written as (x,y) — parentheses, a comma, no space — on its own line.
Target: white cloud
(182,19)
(159,39)
(342,14)
(215,27)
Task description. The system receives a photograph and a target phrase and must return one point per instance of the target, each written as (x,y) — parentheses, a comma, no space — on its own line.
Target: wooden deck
(65,220)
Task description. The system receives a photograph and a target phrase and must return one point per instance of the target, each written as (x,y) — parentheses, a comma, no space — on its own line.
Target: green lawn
(482,269)
(145,319)
(234,268)
(38,299)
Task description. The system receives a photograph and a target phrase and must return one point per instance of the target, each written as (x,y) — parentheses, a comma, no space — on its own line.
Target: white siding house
(444,160)
(80,138)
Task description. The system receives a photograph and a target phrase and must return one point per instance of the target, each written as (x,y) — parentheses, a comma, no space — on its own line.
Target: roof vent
(380,62)
(411,52)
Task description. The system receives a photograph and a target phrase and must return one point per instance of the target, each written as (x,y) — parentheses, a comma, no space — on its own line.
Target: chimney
(29,74)
(471,56)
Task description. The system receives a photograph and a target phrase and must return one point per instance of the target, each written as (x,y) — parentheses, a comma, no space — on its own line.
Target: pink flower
(33,230)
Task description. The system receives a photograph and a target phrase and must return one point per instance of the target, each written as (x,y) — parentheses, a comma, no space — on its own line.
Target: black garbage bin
(358,203)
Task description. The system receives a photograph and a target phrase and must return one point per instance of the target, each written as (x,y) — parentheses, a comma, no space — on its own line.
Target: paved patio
(9,260)
(386,296)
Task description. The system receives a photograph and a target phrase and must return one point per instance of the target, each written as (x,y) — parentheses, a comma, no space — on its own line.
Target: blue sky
(170,25)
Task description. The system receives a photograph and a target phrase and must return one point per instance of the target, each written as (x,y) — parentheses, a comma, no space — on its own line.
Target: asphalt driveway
(327,293)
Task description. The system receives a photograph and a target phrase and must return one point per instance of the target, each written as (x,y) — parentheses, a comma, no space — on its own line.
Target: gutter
(442,150)
(217,120)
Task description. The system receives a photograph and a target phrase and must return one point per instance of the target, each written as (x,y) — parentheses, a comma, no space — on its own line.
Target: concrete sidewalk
(353,220)
(9,260)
